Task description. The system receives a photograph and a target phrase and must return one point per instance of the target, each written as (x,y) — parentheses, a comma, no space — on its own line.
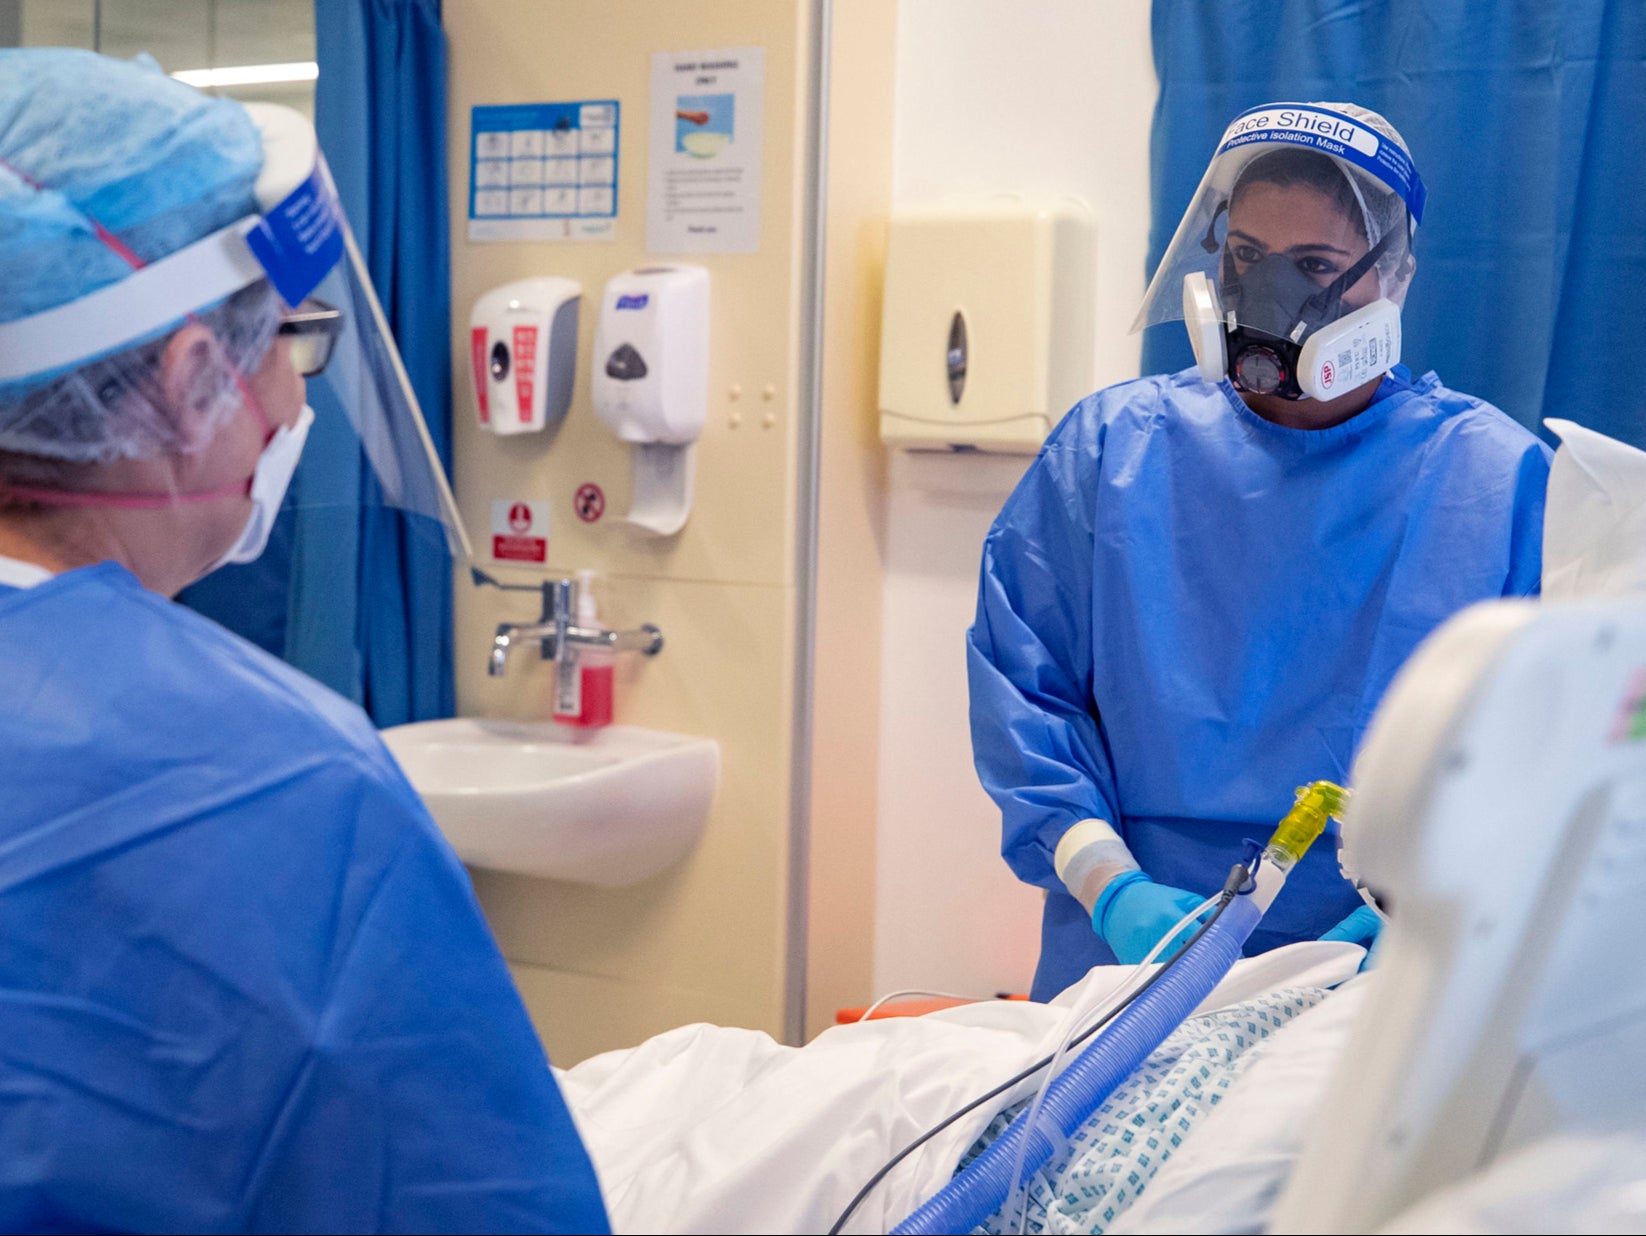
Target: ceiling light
(251,74)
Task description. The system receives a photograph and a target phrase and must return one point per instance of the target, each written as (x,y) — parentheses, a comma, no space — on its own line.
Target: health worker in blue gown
(244,983)
(1195,598)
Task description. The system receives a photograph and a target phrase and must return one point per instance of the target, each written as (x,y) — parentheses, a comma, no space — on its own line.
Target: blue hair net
(158,163)
(87,141)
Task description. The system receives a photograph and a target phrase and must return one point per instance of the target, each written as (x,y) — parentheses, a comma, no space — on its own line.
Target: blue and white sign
(543,171)
(301,239)
(1335,134)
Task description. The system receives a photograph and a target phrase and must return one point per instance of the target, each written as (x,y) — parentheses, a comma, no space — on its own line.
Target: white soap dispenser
(523,354)
(650,383)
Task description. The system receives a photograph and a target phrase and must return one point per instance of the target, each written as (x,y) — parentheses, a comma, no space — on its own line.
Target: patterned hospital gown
(1110,1160)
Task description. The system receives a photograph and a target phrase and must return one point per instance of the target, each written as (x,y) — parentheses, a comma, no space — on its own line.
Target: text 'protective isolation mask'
(1273,306)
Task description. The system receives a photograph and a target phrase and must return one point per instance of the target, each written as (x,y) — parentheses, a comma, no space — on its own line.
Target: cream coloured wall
(711,940)
(1036,96)
(896,881)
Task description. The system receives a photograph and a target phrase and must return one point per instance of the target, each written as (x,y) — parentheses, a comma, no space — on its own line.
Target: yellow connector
(1316,803)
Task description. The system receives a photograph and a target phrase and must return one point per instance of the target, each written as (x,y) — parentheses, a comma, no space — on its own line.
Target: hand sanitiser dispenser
(523,353)
(989,322)
(651,383)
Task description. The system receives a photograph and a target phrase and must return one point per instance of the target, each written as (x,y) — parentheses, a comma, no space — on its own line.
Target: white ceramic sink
(613,809)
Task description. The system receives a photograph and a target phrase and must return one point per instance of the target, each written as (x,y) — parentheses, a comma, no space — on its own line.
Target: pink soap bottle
(594,665)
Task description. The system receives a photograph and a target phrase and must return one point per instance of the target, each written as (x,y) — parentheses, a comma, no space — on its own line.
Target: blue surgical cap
(158,163)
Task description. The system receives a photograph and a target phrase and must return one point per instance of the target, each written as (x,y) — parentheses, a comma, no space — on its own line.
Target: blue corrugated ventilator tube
(1141,1026)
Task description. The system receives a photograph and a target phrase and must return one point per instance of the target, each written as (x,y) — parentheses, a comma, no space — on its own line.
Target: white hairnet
(1381,209)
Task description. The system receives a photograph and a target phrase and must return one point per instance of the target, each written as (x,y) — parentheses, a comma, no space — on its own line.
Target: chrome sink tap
(562,641)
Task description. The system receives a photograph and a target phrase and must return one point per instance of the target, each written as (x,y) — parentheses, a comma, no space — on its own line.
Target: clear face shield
(84,387)
(1291,264)
(362,383)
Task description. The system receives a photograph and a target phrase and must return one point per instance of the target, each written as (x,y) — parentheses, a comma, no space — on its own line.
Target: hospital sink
(611,807)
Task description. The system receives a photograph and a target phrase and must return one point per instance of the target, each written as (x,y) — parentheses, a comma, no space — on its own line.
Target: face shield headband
(303,246)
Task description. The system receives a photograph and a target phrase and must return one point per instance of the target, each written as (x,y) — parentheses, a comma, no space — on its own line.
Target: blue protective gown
(244,983)
(1187,611)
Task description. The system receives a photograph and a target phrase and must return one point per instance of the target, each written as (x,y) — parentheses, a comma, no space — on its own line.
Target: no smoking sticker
(590,503)
(520,531)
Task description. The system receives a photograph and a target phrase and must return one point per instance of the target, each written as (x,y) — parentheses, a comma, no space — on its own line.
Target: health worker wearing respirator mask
(246,985)
(1195,598)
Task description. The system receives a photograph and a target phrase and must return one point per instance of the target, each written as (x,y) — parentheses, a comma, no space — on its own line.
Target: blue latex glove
(1360,927)
(1133,912)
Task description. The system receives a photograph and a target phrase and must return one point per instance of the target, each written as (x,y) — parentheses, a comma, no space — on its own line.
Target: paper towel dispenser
(523,353)
(989,322)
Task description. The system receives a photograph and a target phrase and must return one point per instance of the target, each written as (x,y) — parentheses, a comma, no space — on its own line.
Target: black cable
(1227,896)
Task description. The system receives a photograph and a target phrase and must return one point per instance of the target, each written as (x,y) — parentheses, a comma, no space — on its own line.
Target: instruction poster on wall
(707,114)
(543,171)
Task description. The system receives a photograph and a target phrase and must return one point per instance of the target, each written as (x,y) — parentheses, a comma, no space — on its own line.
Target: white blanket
(710,1129)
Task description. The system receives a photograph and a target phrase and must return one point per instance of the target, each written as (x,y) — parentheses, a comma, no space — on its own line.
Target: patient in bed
(715,1129)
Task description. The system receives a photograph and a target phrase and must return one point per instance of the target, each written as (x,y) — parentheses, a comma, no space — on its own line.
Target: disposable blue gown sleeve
(1036,737)
(425,1102)
(1525,577)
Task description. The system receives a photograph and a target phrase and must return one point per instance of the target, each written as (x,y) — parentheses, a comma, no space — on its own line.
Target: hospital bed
(1500,813)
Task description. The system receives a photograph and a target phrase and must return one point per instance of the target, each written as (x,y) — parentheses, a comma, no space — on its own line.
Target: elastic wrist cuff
(1088,858)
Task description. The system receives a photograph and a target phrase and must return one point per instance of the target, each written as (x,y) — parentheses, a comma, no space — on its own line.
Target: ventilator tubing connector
(1316,803)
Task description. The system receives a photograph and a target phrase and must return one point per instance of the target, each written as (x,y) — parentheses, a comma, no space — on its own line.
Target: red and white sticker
(589,502)
(520,531)
(482,382)
(525,370)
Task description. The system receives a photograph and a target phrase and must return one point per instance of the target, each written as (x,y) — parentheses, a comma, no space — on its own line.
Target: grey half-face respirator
(1275,331)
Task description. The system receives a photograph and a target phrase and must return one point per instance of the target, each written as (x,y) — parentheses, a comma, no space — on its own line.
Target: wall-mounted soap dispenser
(651,383)
(523,353)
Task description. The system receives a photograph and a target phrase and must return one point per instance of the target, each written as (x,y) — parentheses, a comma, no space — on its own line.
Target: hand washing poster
(543,171)
(707,110)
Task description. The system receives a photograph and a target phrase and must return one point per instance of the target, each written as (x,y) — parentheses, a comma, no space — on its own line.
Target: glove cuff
(1111,893)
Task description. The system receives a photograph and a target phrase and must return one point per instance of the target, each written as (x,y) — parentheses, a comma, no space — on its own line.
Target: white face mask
(269,483)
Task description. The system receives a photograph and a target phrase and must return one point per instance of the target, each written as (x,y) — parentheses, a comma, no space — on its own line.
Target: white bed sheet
(714,1129)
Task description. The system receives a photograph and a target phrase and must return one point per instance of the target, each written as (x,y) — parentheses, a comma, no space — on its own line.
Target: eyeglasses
(313,328)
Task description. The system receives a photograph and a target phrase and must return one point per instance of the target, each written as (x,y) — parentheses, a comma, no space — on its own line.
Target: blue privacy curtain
(1527,121)
(350,593)
(370,609)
